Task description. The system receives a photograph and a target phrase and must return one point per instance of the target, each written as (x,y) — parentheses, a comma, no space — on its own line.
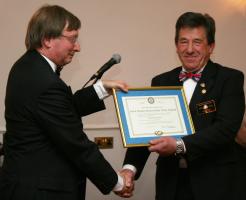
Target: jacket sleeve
(55,113)
(218,134)
(137,156)
(86,101)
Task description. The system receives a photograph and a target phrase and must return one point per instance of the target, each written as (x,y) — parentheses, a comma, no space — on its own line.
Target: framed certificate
(152,112)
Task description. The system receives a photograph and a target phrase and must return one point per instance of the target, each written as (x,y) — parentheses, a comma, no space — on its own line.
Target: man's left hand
(116,84)
(164,146)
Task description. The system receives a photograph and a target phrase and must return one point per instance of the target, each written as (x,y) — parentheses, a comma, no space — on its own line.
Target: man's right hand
(128,177)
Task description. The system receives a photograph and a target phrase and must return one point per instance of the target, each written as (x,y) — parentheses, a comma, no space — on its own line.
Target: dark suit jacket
(215,171)
(47,154)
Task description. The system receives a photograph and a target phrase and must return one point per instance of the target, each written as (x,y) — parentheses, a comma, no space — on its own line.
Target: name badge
(206,107)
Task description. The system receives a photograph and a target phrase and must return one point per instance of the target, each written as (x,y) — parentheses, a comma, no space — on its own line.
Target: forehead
(196,32)
(70,32)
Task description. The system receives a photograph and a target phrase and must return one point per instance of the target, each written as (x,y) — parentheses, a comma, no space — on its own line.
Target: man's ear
(46,42)
(211,48)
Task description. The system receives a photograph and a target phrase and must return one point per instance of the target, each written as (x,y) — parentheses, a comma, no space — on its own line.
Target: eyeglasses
(72,39)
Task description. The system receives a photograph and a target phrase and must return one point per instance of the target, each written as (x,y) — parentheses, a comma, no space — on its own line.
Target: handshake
(128,178)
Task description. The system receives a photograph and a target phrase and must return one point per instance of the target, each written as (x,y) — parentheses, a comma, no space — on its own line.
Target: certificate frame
(139,109)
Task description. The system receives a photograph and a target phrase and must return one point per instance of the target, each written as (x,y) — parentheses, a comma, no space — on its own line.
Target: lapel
(69,90)
(203,86)
(174,78)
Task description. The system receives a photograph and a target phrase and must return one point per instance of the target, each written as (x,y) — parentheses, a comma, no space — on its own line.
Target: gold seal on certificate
(147,113)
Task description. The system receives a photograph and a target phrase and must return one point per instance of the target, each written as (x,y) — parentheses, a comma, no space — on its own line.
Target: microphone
(116,58)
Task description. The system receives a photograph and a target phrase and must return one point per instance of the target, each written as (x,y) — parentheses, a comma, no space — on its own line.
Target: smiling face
(193,49)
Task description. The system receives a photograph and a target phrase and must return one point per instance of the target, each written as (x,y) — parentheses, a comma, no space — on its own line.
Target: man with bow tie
(47,154)
(204,165)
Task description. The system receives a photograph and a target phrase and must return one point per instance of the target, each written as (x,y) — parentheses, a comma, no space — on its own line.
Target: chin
(190,68)
(67,61)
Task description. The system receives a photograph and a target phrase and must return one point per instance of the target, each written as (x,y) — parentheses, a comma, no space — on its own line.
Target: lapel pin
(204,91)
(202,85)
(205,107)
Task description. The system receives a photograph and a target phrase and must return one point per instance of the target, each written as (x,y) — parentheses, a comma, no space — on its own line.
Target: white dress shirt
(189,86)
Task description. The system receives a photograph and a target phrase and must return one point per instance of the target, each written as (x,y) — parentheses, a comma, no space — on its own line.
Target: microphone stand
(87,83)
(93,77)
(116,58)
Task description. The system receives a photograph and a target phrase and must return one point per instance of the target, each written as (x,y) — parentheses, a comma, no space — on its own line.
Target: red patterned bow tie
(183,76)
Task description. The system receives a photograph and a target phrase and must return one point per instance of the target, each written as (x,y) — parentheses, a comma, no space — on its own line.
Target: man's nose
(190,47)
(77,46)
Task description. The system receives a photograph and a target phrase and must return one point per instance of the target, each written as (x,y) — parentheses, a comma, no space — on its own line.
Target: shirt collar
(200,71)
(51,63)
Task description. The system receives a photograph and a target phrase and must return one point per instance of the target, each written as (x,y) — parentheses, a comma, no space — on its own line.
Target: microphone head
(117,58)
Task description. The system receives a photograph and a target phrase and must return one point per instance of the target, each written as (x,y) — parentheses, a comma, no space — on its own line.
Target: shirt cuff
(120,184)
(130,167)
(100,90)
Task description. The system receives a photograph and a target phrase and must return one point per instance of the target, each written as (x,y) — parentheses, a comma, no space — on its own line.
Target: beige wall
(142,32)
